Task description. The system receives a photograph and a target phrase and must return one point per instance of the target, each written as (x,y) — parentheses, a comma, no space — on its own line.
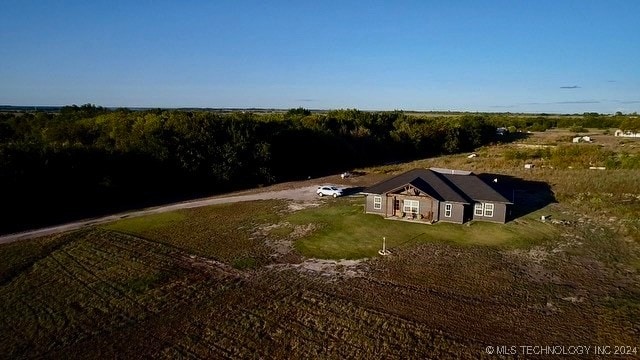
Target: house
(431,195)
(627,133)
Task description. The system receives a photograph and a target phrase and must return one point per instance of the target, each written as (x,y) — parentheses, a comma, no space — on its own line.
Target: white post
(384,251)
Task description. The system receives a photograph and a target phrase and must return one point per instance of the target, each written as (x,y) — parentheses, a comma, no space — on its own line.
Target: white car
(329,191)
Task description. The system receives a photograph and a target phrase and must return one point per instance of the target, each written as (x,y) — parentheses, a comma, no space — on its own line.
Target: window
(377,202)
(447,210)
(483,209)
(488,210)
(411,206)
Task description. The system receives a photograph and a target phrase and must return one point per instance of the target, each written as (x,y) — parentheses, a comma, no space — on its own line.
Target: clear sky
(513,55)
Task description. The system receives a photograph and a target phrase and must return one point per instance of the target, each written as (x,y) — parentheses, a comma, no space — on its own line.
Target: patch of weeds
(626,306)
(146,223)
(245,263)
(281,231)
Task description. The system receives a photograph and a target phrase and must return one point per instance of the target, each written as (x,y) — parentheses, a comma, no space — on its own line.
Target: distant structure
(579,139)
(626,133)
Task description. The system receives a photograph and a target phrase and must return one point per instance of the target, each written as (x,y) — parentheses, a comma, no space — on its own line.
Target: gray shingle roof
(423,179)
(475,188)
(457,186)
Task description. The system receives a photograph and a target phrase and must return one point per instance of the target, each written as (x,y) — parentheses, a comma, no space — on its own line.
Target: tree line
(87,160)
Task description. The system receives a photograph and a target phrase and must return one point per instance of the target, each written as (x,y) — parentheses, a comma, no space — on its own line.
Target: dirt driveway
(304,193)
(304,190)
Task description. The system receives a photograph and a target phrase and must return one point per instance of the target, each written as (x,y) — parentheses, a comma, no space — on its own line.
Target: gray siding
(499,213)
(369,205)
(460,213)
(457,212)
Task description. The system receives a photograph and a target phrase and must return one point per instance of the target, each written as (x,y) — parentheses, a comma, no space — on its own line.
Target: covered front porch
(418,208)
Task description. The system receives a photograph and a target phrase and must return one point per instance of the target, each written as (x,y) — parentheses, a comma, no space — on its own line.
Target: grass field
(241,280)
(345,232)
(222,232)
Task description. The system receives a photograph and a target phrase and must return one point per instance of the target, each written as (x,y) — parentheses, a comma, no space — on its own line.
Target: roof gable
(423,179)
(418,185)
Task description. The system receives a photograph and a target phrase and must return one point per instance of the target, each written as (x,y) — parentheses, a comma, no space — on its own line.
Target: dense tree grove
(86,160)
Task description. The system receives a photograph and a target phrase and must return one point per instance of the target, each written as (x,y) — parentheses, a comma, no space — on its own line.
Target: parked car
(329,191)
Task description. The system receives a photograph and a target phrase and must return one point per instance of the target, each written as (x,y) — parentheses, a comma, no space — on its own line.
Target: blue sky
(518,56)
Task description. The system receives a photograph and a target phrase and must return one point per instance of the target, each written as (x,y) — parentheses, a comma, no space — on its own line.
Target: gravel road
(299,194)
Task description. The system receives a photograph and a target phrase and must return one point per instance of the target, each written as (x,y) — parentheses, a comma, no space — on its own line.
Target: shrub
(577,129)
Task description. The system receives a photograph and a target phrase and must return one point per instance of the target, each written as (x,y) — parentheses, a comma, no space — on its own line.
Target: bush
(577,129)
(538,127)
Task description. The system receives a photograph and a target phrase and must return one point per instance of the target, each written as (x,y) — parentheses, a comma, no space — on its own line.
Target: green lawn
(345,232)
(341,231)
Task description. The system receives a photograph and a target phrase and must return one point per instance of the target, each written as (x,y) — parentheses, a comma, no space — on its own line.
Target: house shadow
(352,190)
(527,196)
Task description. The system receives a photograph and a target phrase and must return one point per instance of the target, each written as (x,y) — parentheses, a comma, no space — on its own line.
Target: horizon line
(141,108)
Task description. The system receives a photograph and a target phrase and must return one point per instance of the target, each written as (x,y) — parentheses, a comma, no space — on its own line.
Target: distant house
(431,195)
(626,133)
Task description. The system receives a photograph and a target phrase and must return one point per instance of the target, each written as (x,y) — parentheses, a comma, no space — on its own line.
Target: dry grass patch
(223,232)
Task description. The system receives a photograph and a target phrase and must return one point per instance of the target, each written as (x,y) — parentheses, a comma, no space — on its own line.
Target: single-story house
(627,133)
(430,195)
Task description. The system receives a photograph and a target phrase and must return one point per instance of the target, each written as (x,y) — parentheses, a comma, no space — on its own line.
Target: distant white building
(579,139)
(626,133)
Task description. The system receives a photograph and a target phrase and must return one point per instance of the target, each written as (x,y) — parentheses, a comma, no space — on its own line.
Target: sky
(540,56)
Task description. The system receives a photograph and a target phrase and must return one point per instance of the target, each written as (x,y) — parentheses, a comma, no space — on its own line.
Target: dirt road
(304,193)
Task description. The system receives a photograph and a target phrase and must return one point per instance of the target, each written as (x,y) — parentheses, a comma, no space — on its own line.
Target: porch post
(386,206)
